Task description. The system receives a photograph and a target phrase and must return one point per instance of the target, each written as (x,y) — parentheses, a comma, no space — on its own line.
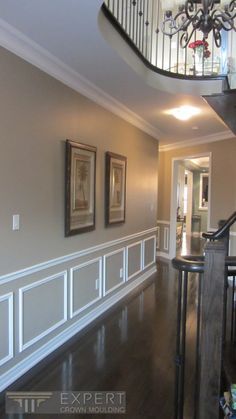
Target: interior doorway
(190,201)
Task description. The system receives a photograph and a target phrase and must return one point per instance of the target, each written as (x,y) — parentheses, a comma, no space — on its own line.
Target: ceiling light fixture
(183,113)
(198,15)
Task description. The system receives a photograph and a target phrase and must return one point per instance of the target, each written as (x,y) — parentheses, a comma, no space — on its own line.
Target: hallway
(130,349)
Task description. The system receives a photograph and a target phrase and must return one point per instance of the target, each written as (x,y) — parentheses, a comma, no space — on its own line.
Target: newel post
(212,323)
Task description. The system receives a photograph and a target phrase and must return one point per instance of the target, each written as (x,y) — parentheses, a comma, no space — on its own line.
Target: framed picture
(203,191)
(115,188)
(80,188)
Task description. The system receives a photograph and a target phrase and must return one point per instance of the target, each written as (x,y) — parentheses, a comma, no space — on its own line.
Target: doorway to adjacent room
(190,203)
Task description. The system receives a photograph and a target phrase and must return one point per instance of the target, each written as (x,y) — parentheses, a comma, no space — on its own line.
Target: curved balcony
(139,22)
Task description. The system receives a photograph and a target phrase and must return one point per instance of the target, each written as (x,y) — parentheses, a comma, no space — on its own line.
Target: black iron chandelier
(198,15)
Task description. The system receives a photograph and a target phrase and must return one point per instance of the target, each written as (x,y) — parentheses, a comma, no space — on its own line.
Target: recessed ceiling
(69,31)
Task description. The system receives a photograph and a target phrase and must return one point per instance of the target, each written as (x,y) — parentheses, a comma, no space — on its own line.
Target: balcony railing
(140,22)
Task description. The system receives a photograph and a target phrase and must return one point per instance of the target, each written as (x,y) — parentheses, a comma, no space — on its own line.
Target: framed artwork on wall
(115,188)
(80,188)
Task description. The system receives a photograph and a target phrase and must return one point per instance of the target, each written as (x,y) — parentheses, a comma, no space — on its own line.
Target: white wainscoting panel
(73,256)
(149,251)
(85,285)
(113,270)
(6,328)
(158,238)
(166,238)
(35,356)
(134,259)
(42,308)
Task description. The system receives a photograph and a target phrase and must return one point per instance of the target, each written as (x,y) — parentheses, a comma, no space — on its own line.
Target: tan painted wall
(223,185)
(37,115)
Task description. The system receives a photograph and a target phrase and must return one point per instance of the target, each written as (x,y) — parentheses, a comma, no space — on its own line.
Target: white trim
(158,238)
(201,208)
(77,268)
(10,354)
(163,255)
(154,251)
(105,257)
(173,200)
(127,259)
(163,222)
(18,43)
(225,135)
(30,361)
(53,262)
(22,345)
(166,238)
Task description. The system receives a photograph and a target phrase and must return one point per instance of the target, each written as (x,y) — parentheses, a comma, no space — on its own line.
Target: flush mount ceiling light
(184,113)
(198,15)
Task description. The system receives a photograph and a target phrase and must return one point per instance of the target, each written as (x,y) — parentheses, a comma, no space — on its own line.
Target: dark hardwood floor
(191,245)
(131,348)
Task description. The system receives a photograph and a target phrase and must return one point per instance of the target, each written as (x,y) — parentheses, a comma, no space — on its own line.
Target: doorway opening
(190,203)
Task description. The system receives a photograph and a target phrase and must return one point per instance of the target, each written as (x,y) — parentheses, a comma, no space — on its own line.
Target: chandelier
(198,15)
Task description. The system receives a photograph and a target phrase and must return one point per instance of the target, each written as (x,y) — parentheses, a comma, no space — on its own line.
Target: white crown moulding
(224,135)
(16,42)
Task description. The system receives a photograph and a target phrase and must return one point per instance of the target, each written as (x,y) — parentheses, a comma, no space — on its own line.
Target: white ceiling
(69,31)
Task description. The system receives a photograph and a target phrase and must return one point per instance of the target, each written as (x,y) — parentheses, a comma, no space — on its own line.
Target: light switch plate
(16,222)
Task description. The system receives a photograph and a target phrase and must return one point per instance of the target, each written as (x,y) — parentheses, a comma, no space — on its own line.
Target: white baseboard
(29,362)
(163,255)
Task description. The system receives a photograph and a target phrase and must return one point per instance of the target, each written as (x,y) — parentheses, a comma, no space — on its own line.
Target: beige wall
(37,115)
(51,287)
(223,186)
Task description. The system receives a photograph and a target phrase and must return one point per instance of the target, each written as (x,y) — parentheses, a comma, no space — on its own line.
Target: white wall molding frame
(154,251)
(67,258)
(107,256)
(22,291)
(224,135)
(166,240)
(158,238)
(98,284)
(138,243)
(16,42)
(9,298)
(27,363)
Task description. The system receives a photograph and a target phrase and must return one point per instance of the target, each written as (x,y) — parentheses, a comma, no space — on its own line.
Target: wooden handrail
(212,270)
(223,230)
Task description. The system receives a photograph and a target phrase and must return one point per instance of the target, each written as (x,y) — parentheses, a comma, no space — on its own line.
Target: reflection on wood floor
(131,349)
(190,245)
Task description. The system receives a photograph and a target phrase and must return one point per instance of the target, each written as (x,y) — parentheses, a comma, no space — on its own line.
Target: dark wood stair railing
(213,270)
(223,230)
(139,23)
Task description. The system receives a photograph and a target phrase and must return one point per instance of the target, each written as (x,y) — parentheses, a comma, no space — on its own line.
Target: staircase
(224,105)
(215,324)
